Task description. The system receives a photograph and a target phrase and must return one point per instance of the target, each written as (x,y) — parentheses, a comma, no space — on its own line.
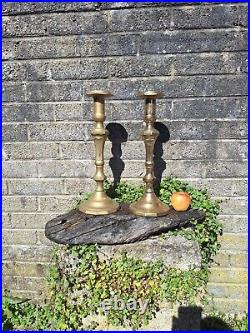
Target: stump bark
(121,227)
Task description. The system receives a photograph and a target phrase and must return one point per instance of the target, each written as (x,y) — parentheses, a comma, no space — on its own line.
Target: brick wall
(195,53)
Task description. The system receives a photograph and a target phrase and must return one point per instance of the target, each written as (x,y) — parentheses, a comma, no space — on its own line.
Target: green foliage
(79,280)
(127,193)
(17,312)
(205,233)
(219,321)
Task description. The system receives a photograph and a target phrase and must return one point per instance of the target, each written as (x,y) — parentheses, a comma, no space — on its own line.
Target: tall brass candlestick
(99,203)
(149,204)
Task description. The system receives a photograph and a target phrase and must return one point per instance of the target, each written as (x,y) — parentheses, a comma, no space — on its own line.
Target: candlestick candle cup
(149,204)
(99,203)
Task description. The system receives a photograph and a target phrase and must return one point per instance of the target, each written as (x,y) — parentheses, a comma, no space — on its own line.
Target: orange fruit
(180,201)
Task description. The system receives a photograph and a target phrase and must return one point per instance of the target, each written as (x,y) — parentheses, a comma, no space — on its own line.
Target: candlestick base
(99,204)
(149,205)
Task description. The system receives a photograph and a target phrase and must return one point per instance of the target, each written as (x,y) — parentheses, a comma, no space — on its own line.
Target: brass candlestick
(149,204)
(99,203)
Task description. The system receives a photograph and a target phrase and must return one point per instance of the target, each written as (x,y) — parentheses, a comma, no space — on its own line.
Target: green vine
(205,233)
(79,280)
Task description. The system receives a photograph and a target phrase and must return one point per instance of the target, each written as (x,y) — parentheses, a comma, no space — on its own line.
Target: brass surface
(99,203)
(149,204)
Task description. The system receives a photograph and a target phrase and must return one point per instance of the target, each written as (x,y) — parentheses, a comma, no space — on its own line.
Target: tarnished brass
(149,204)
(99,203)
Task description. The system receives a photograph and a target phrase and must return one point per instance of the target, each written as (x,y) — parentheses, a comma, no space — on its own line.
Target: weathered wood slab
(122,227)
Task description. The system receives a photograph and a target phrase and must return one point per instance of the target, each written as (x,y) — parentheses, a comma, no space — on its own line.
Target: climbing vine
(79,279)
(205,233)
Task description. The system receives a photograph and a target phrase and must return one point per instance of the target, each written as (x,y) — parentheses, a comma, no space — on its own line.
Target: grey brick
(234,206)
(72,112)
(31,150)
(107,45)
(217,187)
(62,203)
(172,87)
(24,283)
(27,112)
(210,108)
(135,5)
(21,269)
(13,71)
(48,91)
(57,24)
(77,69)
(25,25)
(193,169)
(38,7)
(226,169)
(119,110)
(133,110)
(205,63)
(80,150)
(19,204)
(198,41)
(225,291)
(43,240)
(20,169)
(227,86)
(193,130)
(5,189)
(60,132)
(14,132)
(16,237)
(134,150)
(222,187)
(36,186)
(13,92)
(77,23)
(231,241)
(187,169)
(208,130)
(140,66)
(25,71)
(242,62)
(205,150)
(136,20)
(32,221)
(62,169)
(243,10)
(37,70)
(6,220)
(36,296)
(234,224)
(34,48)
(79,186)
(36,112)
(37,253)
(236,258)
(227,16)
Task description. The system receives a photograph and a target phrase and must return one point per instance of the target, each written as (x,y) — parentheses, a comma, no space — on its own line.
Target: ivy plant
(79,280)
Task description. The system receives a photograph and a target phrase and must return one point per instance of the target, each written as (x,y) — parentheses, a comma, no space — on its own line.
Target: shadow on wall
(159,163)
(190,319)
(118,135)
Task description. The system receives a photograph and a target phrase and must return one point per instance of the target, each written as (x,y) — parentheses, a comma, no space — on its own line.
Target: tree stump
(121,227)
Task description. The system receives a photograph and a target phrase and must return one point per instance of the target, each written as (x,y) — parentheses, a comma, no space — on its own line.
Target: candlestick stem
(99,203)
(149,204)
